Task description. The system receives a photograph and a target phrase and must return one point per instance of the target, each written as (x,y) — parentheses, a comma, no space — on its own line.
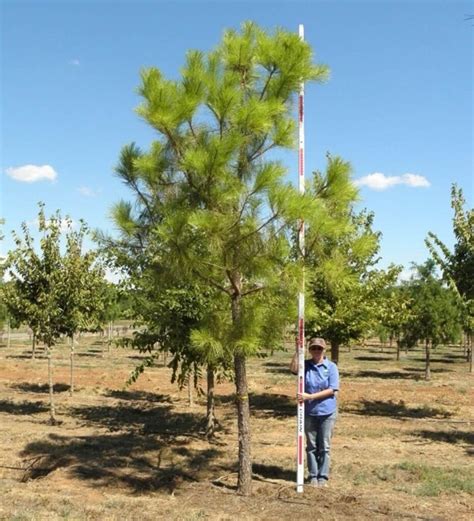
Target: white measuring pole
(300,343)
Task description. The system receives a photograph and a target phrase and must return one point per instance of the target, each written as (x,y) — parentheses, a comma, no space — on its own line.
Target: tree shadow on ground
(451,437)
(137,396)
(140,463)
(432,370)
(374,358)
(394,410)
(272,405)
(273,472)
(278,367)
(11,407)
(265,404)
(158,419)
(40,388)
(399,375)
(27,356)
(455,356)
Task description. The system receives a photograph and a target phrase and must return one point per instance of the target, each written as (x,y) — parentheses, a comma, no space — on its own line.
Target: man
(320,397)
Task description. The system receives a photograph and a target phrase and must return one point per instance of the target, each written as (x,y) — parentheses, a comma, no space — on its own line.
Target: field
(403,447)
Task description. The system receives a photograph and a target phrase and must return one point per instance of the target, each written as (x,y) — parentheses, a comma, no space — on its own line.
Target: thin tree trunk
(335,351)
(427,365)
(243,412)
(52,410)
(71,354)
(211,422)
(469,350)
(398,350)
(190,390)
(33,346)
(8,333)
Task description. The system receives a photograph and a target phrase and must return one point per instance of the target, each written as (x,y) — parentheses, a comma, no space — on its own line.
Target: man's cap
(317,342)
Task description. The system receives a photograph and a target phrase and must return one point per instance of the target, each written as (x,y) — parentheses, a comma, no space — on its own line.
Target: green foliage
(434,310)
(458,266)
(346,287)
(51,292)
(208,206)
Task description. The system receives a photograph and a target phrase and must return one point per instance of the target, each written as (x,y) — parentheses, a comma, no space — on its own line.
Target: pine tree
(219,208)
(343,281)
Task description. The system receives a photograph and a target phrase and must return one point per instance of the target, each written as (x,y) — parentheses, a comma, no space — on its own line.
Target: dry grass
(403,447)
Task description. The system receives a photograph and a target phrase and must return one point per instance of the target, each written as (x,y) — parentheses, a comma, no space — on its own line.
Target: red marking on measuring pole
(301,107)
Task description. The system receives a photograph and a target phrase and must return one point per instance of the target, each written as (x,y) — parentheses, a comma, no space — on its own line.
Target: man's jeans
(318,430)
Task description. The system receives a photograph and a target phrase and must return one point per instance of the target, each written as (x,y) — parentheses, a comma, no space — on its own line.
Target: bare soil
(403,447)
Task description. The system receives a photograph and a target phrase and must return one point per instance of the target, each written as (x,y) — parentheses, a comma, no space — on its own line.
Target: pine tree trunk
(71,354)
(398,350)
(335,351)
(243,422)
(243,413)
(211,421)
(52,410)
(427,365)
(33,346)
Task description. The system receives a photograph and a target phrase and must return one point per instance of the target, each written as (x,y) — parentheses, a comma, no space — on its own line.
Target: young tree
(434,312)
(346,287)
(220,210)
(394,314)
(82,289)
(37,282)
(458,266)
(43,292)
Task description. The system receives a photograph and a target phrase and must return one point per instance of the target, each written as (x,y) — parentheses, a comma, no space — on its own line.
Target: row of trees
(206,245)
(56,288)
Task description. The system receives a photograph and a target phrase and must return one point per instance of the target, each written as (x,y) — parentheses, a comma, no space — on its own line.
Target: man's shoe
(313,482)
(322,483)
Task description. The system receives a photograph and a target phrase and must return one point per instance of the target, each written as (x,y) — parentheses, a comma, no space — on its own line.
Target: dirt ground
(403,448)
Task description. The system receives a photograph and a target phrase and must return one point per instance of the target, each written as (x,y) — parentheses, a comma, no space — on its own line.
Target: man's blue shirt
(319,377)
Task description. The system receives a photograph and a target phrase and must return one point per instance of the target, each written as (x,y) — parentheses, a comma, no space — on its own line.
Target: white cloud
(32,173)
(87,192)
(379,181)
(75,62)
(405,274)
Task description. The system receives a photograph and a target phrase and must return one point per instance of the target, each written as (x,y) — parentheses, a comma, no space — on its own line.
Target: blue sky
(399,101)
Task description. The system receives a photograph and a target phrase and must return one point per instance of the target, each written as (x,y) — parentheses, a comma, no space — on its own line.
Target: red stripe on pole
(301,332)
(301,162)
(301,106)
(300,450)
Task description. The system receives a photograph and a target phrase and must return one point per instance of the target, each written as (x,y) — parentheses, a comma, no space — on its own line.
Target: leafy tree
(35,291)
(458,266)
(434,312)
(82,292)
(346,287)
(219,209)
(394,314)
(51,292)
